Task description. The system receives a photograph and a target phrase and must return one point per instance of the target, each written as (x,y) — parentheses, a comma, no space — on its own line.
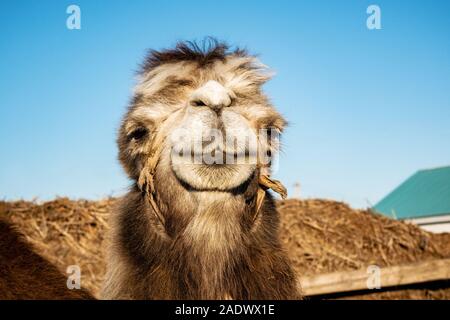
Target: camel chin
(221,177)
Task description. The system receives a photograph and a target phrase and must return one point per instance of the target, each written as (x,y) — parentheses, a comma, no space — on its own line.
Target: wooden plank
(389,276)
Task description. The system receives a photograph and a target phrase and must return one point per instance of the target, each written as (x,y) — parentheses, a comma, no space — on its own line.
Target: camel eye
(138,134)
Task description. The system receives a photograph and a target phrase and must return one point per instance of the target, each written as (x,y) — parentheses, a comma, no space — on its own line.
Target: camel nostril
(213,95)
(198,103)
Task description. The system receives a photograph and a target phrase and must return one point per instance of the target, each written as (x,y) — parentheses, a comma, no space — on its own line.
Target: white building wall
(437,224)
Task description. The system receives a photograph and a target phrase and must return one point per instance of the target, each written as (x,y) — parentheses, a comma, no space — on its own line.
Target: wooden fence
(339,282)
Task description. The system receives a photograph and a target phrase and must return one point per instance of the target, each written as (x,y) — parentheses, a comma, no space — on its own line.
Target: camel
(193,225)
(24,274)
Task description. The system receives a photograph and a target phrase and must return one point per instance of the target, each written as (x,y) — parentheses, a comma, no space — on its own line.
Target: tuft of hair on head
(204,52)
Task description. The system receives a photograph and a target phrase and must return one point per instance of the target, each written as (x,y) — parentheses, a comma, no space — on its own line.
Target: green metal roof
(426,193)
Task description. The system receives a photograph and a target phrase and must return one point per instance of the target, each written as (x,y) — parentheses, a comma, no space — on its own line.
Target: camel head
(200,116)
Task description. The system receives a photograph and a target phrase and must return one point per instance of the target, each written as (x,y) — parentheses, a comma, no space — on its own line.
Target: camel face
(216,123)
(198,223)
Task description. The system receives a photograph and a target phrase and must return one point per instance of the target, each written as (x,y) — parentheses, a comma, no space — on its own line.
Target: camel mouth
(218,158)
(212,176)
(215,166)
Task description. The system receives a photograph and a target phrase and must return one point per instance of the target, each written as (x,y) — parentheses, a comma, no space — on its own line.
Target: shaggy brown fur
(209,245)
(210,52)
(25,274)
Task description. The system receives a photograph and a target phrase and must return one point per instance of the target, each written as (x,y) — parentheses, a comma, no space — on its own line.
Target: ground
(320,236)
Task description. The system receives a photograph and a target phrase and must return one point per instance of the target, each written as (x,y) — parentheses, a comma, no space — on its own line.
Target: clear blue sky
(366,108)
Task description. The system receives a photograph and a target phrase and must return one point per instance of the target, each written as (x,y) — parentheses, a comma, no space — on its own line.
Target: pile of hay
(66,232)
(320,236)
(324,236)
